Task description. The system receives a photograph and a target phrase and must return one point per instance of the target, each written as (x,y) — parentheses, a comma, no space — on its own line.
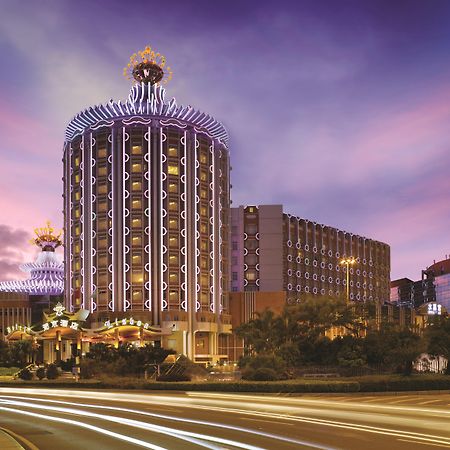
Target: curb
(12,441)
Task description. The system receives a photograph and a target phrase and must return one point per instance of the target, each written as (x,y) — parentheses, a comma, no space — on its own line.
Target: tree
(437,336)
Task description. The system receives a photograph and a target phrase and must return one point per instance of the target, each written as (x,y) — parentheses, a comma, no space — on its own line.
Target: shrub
(173,377)
(25,374)
(260,374)
(52,372)
(40,373)
(87,368)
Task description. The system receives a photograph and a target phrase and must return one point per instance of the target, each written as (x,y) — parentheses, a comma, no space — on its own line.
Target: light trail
(121,437)
(195,438)
(211,401)
(179,419)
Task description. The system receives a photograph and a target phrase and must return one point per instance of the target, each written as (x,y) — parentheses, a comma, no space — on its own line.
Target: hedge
(361,384)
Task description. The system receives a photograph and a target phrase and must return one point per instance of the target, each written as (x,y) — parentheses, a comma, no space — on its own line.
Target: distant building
(272,251)
(23,301)
(433,287)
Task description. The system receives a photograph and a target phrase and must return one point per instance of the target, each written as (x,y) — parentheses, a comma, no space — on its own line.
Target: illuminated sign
(18,328)
(130,321)
(59,309)
(434,309)
(62,323)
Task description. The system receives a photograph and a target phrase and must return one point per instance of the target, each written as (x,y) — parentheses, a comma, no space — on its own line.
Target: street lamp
(348,262)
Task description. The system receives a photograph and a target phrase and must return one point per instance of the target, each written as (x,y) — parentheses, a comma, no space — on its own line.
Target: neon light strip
(91,204)
(123,221)
(186,209)
(113,227)
(69,227)
(197,249)
(149,254)
(82,158)
(213,225)
(161,223)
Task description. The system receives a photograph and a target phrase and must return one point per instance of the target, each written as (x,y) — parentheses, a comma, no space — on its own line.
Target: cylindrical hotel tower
(146,204)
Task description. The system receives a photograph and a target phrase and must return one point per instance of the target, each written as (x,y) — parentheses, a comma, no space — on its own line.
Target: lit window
(77,161)
(137,240)
(136,186)
(77,178)
(173,259)
(173,296)
(203,193)
(173,223)
(136,223)
(102,207)
(173,206)
(102,243)
(102,225)
(173,241)
(77,213)
(173,151)
(76,248)
(204,245)
(137,259)
(203,175)
(203,228)
(101,153)
(136,204)
(102,171)
(173,187)
(77,195)
(77,230)
(102,188)
(250,275)
(76,266)
(137,296)
(203,158)
(173,278)
(136,150)
(203,211)
(136,168)
(172,169)
(138,277)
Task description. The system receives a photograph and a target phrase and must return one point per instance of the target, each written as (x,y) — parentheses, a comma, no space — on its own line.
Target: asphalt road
(77,419)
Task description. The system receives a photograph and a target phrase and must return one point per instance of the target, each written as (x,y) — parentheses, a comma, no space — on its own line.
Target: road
(105,420)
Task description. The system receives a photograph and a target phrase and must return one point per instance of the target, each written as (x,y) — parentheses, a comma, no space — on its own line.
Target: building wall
(277,251)
(147,222)
(15,309)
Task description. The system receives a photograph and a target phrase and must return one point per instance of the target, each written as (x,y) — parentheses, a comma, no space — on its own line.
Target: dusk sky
(339,110)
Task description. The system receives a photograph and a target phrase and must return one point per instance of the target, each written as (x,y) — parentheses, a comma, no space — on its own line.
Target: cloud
(15,250)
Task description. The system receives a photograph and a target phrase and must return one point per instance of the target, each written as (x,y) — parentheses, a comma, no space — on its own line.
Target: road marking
(424,443)
(428,402)
(20,438)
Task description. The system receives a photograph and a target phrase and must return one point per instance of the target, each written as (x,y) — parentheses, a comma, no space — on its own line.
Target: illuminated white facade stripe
(148,137)
(91,164)
(83,225)
(124,221)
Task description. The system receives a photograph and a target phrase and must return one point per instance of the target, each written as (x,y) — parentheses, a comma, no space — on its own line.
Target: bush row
(378,384)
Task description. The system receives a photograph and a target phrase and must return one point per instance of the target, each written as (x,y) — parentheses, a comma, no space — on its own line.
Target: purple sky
(339,110)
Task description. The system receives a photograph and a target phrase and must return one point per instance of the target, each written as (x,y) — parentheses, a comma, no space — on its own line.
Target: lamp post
(348,262)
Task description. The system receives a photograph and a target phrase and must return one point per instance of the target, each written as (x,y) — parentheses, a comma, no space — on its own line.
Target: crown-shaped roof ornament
(46,239)
(147,66)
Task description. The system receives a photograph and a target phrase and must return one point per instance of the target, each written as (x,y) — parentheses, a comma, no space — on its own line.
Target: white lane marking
(121,437)
(179,419)
(428,402)
(179,434)
(423,443)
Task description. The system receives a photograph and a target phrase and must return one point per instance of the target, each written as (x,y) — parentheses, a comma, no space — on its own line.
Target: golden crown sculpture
(147,66)
(45,237)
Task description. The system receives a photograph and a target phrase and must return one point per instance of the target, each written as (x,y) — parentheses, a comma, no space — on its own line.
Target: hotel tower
(146,204)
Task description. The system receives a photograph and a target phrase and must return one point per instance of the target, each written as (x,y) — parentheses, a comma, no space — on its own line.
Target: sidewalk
(7,442)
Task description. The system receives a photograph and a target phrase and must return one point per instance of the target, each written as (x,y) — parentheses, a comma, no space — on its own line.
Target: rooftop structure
(46,272)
